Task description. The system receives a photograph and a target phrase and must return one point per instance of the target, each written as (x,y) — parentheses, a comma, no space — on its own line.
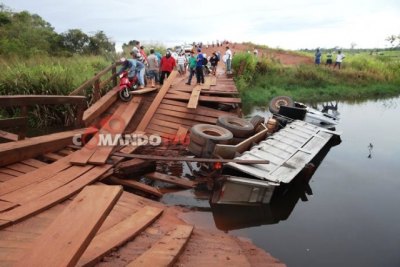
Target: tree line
(26,34)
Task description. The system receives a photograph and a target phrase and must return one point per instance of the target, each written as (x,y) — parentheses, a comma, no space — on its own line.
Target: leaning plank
(102,153)
(119,234)
(207,83)
(81,157)
(100,106)
(194,97)
(38,205)
(72,231)
(206,98)
(9,136)
(170,179)
(136,185)
(156,102)
(36,176)
(29,148)
(166,251)
(143,91)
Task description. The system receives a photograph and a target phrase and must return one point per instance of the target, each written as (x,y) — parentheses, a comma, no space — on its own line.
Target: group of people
(338,62)
(157,68)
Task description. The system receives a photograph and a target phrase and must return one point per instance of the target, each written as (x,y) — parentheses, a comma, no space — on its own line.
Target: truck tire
(278,101)
(257,120)
(207,132)
(195,149)
(238,126)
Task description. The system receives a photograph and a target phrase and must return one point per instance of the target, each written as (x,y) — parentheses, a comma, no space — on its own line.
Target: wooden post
(114,75)
(80,109)
(23,129)
(96,91)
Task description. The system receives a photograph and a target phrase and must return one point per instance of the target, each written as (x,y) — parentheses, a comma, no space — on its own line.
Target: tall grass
(43,75)
(362,77)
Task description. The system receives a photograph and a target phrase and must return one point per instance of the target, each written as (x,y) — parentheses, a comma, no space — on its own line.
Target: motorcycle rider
(135,68)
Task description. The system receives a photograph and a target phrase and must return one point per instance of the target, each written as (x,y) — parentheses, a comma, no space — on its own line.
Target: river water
(349,212)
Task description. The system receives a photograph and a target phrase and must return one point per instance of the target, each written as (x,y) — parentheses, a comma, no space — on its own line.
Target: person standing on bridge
(192,67)
(199,67)
(152,72)
(228,60)
(214,62)
(167,65)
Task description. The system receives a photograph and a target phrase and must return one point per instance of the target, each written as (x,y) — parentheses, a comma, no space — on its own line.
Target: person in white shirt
(339,59)
(228,60)
(181,60)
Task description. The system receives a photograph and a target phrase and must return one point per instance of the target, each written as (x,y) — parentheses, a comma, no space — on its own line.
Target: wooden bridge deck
(37,187)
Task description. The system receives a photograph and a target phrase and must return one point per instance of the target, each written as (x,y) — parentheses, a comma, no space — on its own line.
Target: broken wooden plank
(113,123)
(39,189)
(36,176)
(156,102)
(185,183)
(167,250)
(73,230)
(38,205)
(136,185)
(194,97)
(100,106)
(152,157)
(207,83)
(29,148)
(119,234)
(102,153)
(180,137)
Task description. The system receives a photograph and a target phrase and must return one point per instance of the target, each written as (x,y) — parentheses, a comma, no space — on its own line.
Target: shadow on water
(232,217)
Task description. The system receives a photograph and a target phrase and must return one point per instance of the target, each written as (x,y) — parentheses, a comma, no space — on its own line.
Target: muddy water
(348,214)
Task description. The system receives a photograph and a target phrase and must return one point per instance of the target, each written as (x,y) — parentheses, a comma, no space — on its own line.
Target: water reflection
(283,202)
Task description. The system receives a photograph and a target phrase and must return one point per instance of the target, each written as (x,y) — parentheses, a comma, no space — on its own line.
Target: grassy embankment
(363,76)
(44,75)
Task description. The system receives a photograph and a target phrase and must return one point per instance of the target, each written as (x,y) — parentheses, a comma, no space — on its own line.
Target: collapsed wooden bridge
(56,210)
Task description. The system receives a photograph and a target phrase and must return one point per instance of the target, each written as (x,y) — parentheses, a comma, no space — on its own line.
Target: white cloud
(285,23)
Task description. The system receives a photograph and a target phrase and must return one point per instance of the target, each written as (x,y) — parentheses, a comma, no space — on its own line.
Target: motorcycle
(126,86)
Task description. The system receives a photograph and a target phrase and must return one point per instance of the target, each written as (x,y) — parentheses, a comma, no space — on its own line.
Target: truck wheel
(257,120)
(238,126)
(278,101)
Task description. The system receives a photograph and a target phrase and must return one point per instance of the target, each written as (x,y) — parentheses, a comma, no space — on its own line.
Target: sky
(287,24)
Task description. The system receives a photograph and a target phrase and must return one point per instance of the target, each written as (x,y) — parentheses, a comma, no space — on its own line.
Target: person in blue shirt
(134,67)
(199,67)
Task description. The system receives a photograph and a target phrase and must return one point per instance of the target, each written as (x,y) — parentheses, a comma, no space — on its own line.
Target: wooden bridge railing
(24,101)
(97,84)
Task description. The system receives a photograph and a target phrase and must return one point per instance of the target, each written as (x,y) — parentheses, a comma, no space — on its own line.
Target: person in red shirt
(167,65)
